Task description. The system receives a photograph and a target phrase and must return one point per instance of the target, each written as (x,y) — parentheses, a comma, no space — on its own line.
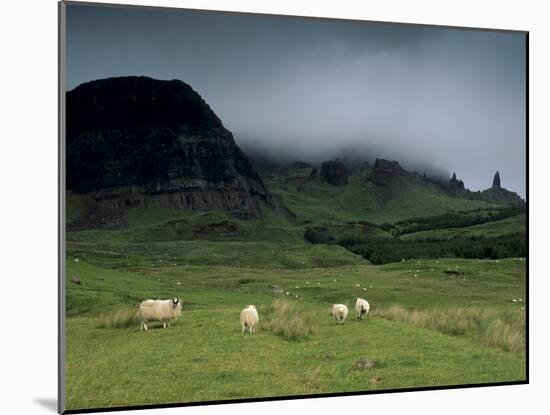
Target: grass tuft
(504,329)
(287,320)
(122,318)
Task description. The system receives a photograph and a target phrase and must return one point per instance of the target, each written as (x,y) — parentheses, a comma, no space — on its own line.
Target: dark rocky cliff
(386,172)
(334,172)
(455,184)
(135,141)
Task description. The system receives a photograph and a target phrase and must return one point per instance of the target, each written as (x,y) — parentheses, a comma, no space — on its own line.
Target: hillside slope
(385,193)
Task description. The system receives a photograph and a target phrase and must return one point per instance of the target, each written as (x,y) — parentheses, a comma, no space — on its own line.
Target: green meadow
(433,321)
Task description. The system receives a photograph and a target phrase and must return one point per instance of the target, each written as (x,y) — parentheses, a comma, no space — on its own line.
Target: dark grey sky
(435,99)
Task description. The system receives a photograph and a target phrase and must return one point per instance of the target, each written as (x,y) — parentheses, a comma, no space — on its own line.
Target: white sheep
(249,319)
(362,307)
(159,310)
(339,312)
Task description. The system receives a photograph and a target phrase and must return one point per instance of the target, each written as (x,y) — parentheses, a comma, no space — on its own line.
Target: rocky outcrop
(498,194)
(455,184)
(314,174)
(137,141)
(385,172)
(334,172)
(502,196)
(364,166)
(496,181)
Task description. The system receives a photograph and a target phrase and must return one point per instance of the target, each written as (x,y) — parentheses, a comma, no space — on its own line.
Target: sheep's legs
(242,329)
(143,325)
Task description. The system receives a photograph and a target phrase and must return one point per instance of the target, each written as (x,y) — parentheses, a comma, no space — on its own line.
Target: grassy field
(204,356)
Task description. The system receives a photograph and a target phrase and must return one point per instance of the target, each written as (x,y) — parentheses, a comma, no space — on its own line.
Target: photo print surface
(261,206)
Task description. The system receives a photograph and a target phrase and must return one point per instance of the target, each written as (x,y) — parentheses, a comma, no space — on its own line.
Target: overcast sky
(437,100)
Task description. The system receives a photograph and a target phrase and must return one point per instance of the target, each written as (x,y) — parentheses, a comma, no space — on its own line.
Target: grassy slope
(320,202)
(488,230)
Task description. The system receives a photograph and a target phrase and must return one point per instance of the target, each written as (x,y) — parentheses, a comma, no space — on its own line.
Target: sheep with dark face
(362,307)
(249,319)
(339,312)
(159,310)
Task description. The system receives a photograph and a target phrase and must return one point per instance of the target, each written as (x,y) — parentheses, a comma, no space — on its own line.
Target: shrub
(504,329)
(122,318)
(286,319)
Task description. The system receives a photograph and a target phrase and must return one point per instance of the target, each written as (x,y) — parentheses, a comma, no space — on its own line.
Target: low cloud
(437,100)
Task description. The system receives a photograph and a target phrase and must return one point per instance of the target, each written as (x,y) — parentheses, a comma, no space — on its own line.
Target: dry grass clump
(122,318)
(504,329)
(286,319)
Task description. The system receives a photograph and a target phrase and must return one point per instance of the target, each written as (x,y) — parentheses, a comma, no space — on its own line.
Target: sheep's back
(340,310)
(362,305)
(158,310)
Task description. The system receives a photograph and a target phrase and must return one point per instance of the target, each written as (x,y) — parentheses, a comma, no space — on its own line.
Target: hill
(383,193)
(137,141)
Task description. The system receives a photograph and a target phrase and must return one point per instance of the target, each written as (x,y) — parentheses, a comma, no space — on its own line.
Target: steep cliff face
(135,141)
(386,173)
(335,172)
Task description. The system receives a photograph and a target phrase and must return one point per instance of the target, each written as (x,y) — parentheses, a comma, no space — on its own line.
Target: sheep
(249,319)
(159,310)
(362,307)
(339,312)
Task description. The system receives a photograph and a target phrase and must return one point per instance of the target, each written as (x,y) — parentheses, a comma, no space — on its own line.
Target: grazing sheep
(362,307)
(159,310)
(249,319)
(339,312)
